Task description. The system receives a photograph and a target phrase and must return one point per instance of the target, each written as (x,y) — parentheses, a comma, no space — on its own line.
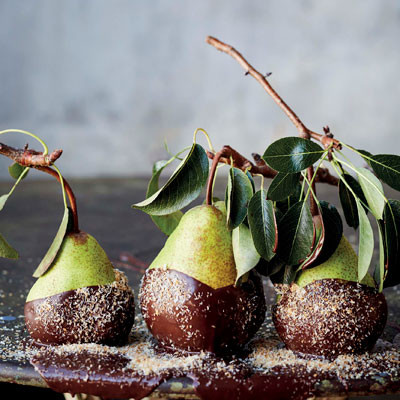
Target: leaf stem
(207,137)
(212,175)
(45,148)
(23,173)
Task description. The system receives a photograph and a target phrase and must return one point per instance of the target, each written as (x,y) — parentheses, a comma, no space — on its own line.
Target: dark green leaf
(318,240)
(182,187)
(244,252)
(347,199)
(285,275)
(268,268)
(15,170)
(366,242)
(282,186)
(387,168)
(391,223)
(373,191)
(379,272)
(284,205)
(366,155)
(51,254)
(6,251)
(238,195)
(251,180)
(292,154)
(296,234)
(166,223)
(261,217)
(333,231)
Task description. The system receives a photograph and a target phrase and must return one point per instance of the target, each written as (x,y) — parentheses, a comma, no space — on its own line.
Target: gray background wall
(107,81)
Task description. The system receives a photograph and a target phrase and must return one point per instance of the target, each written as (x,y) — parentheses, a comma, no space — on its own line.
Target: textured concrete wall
(108,80)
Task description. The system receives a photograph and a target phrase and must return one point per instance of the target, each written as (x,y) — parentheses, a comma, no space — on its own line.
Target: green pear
(80,262)
(343,264)
(201,247)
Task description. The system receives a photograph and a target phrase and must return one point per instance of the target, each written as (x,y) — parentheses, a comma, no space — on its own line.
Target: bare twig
(28,157)
(326,140)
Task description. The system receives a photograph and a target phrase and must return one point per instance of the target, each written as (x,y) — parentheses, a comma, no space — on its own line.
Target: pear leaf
(182,187)
(244,252)
(52,252)
(292,154)
(333,227)
(348,201)
(3,200)
(318,240)
(6,251)
(295,234)
(284,205)
(366,242)
(387,168)
(379,272)
(166,223)
(373,191)
(282,186)
(262,223)
(268,268)
(391,223)
(238,194)
(15,170)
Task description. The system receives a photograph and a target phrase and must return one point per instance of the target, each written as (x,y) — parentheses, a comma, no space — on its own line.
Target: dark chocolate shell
(330,317)
(185,314)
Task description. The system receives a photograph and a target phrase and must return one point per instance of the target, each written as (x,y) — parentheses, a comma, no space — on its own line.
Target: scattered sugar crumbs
(266,353)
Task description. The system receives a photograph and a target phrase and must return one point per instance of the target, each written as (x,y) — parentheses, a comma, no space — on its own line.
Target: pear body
(80,262)
(343,264)
(201,247)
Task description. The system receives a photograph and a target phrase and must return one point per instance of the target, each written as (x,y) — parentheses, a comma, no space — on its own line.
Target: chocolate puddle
(270,371)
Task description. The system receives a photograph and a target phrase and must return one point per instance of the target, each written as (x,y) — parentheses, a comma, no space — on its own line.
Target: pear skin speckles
(80,262)
(343,264)
(201,247)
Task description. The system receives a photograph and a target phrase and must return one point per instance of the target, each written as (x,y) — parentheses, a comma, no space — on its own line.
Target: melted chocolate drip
(330,317)
(183,313)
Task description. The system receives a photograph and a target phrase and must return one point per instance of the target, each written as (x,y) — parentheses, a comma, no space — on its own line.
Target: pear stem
(70,194)
(211,177)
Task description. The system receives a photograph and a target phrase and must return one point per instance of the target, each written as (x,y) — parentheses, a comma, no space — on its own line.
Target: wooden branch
(28,157)
(259,167)
(326,140)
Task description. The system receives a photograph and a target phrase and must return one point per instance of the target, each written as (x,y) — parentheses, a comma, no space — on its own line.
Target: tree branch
(259,167)
(28,157)
(326,140)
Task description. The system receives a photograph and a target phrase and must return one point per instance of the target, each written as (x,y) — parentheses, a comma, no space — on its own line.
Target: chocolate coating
(94,314)
(330,317)
(183,313)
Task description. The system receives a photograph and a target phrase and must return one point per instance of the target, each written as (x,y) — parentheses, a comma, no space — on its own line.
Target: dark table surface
(29,222)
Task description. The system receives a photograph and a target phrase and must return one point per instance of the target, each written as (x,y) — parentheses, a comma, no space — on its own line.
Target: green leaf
(387,168)
(366,242)
(182,187)
(379,272)
(3,200)
(15,170)
(238,194)
(51,254)
(391,223)
(373,191)
(166,223)
(251,181)
(295,232)
(318,240)
(284,205)
(6,251)
(244,252)
(282,186)
(262,222)
(292,154)
(268,268)
(348,201)
(333,231)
